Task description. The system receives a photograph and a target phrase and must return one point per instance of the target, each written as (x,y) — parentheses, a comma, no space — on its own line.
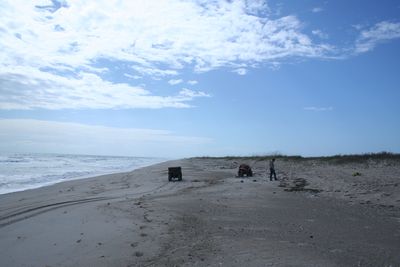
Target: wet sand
(318,214)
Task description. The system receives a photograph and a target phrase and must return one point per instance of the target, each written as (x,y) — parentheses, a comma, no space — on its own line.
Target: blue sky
(179,78)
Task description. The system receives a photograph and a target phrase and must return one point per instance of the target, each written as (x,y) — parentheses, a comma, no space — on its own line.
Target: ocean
(20,172)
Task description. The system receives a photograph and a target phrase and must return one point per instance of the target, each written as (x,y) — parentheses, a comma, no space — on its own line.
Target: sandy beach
(319,213)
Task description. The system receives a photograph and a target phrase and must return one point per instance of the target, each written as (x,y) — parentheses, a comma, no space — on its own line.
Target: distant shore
(336,212)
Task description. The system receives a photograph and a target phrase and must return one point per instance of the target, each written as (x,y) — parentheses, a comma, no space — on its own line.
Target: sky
(182,78)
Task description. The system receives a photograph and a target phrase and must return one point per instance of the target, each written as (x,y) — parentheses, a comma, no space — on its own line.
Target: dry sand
(318,214)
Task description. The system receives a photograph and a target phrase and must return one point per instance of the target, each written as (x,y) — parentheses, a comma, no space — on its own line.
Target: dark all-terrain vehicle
(174,173)
(245,169)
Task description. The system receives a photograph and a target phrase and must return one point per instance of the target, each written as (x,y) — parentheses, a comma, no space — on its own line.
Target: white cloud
(320,34)
(192,82)
(275,66)
(68,43)
(49,56)
(318,108)
(317,9)
(190,94)
(256,6)
(86,90)
(380,32)
(26,135)
(156,73)
(240,71)
(135,77)
(173,33)
(174,82)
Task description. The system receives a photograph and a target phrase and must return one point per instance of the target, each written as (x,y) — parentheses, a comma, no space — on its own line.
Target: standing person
(272,169)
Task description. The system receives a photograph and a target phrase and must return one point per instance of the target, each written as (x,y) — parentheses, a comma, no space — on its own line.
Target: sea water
(26,171)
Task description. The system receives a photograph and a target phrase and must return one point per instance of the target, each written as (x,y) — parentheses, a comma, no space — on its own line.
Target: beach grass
(336,159)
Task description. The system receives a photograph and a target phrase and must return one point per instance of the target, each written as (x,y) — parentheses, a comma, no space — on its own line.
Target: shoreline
(65,174)
(212,217)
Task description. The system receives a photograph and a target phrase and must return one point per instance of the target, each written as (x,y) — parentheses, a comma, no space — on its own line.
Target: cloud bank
(86,91)
(52,53)
(205,34)
(22,135)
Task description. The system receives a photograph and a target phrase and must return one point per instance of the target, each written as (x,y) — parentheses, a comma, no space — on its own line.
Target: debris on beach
(296,185)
